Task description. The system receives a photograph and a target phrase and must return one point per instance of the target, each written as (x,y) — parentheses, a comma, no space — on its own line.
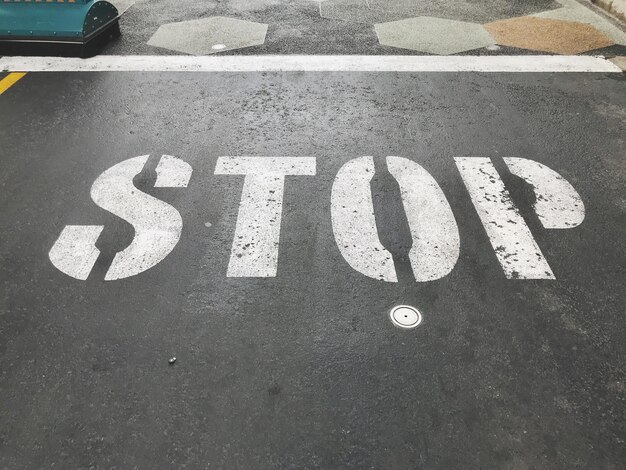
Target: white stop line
(255,248)
(311,63)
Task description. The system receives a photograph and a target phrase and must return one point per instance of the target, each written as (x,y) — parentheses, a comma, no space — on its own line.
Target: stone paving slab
(433,35)
(209,35)
(548,35)
(574,11)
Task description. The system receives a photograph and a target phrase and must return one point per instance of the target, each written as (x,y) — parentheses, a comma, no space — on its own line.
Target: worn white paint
(354,223)
(310,63)
(436,243)
(557,204)
(75,253)
(172,172)
(515,247)
(257,233)
(157,225)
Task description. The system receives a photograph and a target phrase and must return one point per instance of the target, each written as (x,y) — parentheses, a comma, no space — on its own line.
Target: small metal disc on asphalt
(405,316)
(218,47)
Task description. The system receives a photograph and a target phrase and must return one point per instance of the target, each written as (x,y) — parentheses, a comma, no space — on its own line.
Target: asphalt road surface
(260,255)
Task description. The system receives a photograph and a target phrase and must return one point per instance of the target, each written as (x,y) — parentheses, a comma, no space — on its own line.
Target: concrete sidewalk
(366,27)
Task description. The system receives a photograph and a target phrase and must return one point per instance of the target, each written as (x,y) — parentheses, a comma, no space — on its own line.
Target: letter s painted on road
(157,225)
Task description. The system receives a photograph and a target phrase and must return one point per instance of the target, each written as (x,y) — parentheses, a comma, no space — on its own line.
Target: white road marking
(557,204)
(515,247)
(436,243)
(310,63)
(157,225)
(257,233)
(75,253)
(254,253)
(354,223)
(172,172)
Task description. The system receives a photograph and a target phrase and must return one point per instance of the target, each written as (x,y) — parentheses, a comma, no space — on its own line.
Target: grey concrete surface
(305,370)
(123,5)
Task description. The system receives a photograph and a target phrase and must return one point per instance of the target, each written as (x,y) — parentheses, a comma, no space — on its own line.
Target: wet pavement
(199,269)
(292,361)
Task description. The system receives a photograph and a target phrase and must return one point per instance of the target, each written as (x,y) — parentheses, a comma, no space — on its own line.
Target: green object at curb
(55,21)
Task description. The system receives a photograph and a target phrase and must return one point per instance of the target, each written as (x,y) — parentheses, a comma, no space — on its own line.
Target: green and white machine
(68,25)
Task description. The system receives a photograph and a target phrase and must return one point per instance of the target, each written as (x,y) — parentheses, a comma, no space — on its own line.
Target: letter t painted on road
(255,246)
